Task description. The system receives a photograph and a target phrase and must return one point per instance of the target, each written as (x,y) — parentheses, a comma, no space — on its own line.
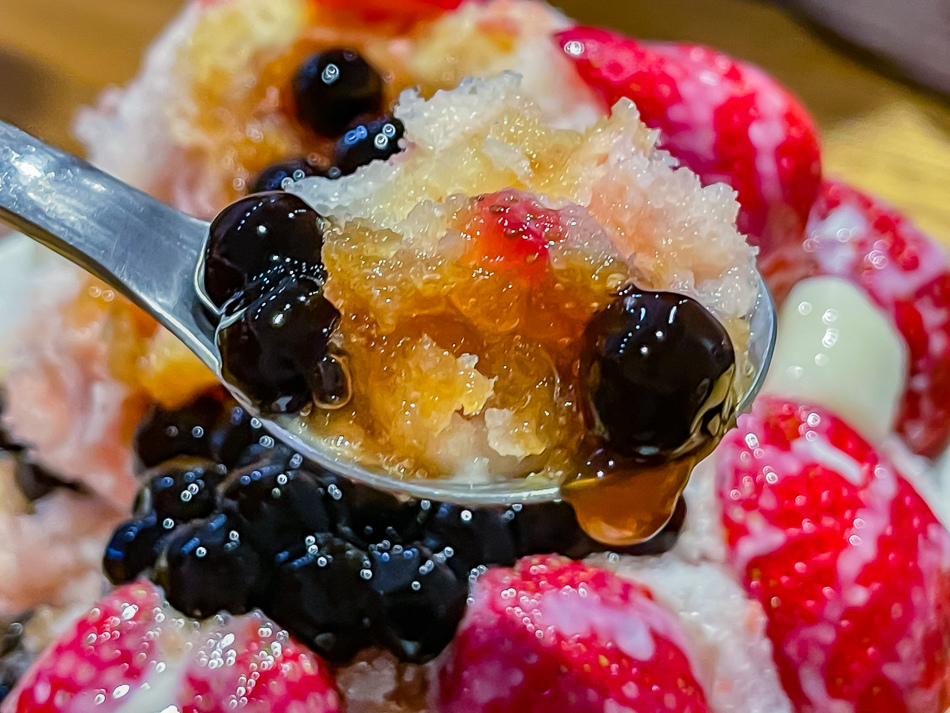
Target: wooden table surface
(879,132)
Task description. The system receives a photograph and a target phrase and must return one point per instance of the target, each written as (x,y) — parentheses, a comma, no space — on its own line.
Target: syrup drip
(623,502)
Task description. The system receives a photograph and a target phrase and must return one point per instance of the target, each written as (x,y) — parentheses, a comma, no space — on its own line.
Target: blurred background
(869,71)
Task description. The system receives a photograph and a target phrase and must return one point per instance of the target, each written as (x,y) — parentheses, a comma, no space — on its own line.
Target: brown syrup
(622,502)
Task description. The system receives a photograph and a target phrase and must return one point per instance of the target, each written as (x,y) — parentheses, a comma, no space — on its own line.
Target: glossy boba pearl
(238,432)
(473,536)
(272,178)
(367,516)
(277,501)
(366,142)
(658,371)
(210,568)
(334,87)
(274,342)
(419,601)
(253,235)
(133,548)
(187,431)
(183,488)
(321,595)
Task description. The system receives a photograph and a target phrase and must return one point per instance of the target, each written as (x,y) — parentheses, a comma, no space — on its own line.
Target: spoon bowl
(153,254)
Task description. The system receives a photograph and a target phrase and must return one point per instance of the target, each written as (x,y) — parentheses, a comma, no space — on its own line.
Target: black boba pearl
(332,88)
(210,568)
(254,234)
(321,595)
(278,502)
(133,548)
(366,516)
(273,339)
(236,432)
(552,527)
(329,382)
(658,371)
(183,488)
(471,537)
(419,601)
(264,450)
(166,433)
(36,482)
(366,142)
(16,653)
(544,528)
(272,178)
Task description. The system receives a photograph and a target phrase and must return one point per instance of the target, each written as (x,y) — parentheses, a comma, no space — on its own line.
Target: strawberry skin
(848,561)
(511,232)
(106,650)
(403,13)
(553,635)
(726,120)
(269,672)
(133,652)
(904,271)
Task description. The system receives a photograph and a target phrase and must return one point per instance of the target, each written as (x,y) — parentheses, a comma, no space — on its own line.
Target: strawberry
(554,635)
(270,672)
(725,119)
(848,561)
(403,14)
(132,651)
(852,235)
(512,231)
(106,651)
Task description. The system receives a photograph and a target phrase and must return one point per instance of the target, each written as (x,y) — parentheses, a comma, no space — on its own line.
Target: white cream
(838,350)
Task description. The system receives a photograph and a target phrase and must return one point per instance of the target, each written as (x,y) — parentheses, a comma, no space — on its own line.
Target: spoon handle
(138,245)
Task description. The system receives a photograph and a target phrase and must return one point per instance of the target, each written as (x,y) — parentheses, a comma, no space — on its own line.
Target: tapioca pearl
(836,349)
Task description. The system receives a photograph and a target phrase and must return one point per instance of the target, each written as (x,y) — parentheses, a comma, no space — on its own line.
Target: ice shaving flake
(482,39)
(726,630)
(221,48)
(81,431)
(437,123)
(425,370)
(377,683)
(507,437)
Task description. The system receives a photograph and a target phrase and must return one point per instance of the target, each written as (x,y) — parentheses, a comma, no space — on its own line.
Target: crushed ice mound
(484,136)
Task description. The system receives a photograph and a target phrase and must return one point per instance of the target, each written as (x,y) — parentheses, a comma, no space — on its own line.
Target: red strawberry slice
(133,652)
(725,119)
(106,652)
(552,635)
(852,235)
(270,672)
(848,561)
(402,13)
(512,231)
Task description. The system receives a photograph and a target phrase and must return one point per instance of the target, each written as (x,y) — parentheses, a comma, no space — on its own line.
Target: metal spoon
(151,253)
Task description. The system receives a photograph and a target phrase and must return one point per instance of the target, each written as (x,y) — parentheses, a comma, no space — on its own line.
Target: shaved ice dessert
(478,241)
